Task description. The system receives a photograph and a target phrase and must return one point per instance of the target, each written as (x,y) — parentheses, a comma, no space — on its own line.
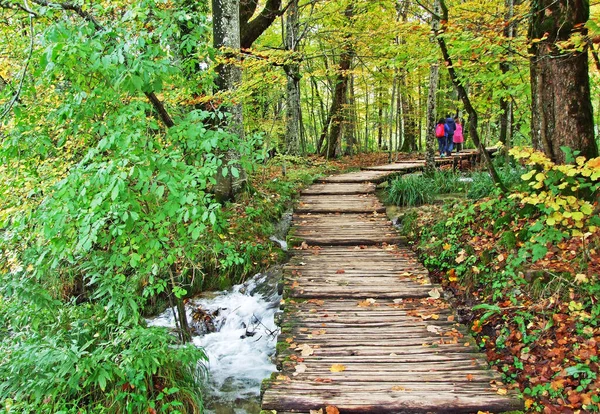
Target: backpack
(439,130)
(451,126)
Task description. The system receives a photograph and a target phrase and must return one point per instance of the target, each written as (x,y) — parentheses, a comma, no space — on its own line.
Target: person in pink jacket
(458,137)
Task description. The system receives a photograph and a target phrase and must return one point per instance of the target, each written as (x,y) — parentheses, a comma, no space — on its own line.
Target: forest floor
(536,320)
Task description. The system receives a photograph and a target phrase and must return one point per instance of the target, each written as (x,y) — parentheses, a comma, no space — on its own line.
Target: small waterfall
(236,328)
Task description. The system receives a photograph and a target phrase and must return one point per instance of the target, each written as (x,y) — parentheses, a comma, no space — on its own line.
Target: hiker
(458,137)
(441,133)
(451,128)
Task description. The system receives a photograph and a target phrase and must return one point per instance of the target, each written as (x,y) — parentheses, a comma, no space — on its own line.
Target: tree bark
(292,71)
(562,112)
(337,110)
(434,79)
(226,36)
(506,102)
(350,119)
(250,30)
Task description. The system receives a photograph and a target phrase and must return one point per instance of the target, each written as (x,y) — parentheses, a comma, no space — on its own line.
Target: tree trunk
(350,120)
(462,94)
(380,118)
(434,79)
(562,112)
(292,71)
(337,111)
(226,36)
(506,102)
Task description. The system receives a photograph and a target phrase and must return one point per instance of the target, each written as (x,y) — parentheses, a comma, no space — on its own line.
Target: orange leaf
(330,409)
(340,271)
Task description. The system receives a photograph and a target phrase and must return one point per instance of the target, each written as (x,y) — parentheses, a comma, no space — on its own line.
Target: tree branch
(20,88)
(156,103)
(72,7)
(251,30)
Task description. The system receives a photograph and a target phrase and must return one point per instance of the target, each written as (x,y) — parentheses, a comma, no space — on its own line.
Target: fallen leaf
(433,329)
(283,378)
(470,377)
(398,388)
(450,318)
(435,293)
(305,350)
(501,391)
(324,380)
(366,303)
(319,411)
(330,409)
(340,271)
(289,340)
(337,368)
(300,369)
(447,246)
(581,278)
(452,275)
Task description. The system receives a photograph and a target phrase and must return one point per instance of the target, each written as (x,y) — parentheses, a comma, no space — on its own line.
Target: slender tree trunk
(560,88)
(226,36)
(434,79)
(350,120)
(366,144)
(380,118)
(292,71)
(506,102)
(462,94)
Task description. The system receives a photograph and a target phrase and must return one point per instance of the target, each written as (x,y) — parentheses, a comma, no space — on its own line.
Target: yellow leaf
(581,278)
(502,391)
(447,246)
(527,176)
(337,368)
(587,209)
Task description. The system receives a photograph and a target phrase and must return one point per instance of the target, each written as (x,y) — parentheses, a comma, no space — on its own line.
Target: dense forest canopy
(128,125)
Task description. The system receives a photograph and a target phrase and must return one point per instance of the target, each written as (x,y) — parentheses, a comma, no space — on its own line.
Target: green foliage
(483,186)
(62,357)
(415,190)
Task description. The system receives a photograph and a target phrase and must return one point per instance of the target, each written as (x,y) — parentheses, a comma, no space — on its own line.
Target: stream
(237,331)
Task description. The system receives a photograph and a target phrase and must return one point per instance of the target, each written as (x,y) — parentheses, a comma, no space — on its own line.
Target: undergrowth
(532,261)
(418,189)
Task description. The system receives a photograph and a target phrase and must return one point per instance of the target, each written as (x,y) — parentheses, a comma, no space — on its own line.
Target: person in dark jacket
(451,128)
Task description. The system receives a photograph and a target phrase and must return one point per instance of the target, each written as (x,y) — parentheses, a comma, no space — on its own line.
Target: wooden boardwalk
(363,328)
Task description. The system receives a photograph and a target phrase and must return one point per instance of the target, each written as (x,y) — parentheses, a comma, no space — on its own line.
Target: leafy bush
(64,357)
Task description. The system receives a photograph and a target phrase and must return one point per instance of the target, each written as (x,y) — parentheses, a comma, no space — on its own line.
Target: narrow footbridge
(363,328)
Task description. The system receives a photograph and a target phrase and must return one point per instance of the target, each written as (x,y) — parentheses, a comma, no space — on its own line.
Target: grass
(416,190)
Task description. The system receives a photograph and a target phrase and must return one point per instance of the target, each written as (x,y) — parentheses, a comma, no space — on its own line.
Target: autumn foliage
(524,271)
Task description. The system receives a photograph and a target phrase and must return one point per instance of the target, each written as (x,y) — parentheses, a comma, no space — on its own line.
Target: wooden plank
(401,350)
(339,188)
(398,166)
(390,402)
(358,177)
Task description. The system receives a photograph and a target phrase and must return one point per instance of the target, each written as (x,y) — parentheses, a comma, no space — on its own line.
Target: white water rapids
(239,351)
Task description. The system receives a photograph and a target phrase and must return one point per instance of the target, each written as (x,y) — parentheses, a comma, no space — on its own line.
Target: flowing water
(239,350)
